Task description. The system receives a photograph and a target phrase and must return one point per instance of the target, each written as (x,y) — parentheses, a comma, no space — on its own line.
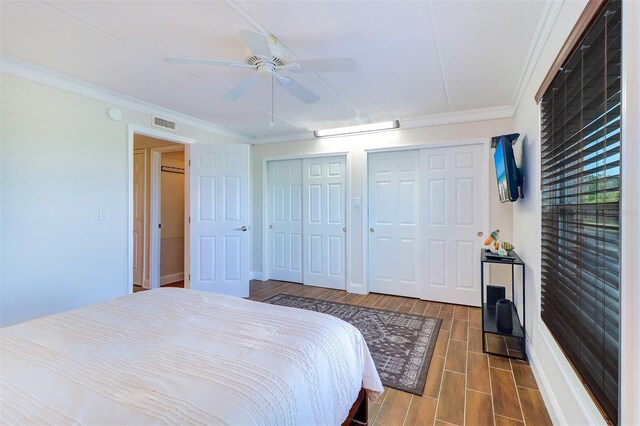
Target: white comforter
(183,357)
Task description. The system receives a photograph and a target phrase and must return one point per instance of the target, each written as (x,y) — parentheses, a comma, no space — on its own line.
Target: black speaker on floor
(504,316)
(494,293)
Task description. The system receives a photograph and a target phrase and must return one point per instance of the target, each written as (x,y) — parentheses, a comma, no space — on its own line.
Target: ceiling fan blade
(214,62)
(297,89)
(241,87)
(326,65)
(257,43)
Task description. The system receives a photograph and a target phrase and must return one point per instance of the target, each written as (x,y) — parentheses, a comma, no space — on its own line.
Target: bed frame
(359,413)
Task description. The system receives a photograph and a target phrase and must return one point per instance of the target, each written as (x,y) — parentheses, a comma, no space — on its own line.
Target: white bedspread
(183,357)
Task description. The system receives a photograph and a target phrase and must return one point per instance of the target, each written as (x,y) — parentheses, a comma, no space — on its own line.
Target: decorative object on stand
(493,238)
(494,293)
(504,318)
(495,245)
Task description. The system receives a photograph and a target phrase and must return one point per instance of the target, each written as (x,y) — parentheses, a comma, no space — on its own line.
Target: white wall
(630,220)
(566,397)
(62,160)
(500,214)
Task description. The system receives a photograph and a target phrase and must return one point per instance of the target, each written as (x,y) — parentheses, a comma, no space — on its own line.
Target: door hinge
(159,225)
(189,277)
(189,219)
(189,163)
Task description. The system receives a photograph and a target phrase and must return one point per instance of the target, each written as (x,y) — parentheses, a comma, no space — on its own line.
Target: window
(580,170)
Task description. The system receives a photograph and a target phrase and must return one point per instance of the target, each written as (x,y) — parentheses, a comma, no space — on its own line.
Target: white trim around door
(133,129)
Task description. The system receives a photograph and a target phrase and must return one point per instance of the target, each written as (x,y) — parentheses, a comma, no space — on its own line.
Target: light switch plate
(356,202)
(103,214)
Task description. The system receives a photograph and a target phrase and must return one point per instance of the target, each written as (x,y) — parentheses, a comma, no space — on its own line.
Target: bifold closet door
(452,220)
(285,220)
(393,222)
(324,221)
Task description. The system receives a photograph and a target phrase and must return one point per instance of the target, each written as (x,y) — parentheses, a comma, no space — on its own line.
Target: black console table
(489,312)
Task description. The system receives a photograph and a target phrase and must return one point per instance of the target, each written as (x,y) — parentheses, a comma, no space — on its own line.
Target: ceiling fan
(268,57)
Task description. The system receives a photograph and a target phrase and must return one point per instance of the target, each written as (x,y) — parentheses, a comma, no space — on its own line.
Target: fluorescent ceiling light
(373,127)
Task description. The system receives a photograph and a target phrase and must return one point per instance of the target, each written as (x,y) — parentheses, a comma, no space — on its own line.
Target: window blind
(580,172)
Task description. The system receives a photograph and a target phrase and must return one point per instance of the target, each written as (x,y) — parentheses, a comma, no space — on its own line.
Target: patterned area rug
(401,345)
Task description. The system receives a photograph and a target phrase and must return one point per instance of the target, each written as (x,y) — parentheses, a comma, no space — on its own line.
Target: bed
(184,357)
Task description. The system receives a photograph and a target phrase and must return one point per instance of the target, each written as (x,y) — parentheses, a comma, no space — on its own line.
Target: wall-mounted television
(507,172)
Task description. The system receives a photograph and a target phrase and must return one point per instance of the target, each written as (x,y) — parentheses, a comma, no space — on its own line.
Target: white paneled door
(393,222)
(219,209)
(139,203)
(285,220)
(324,221)
(453,205)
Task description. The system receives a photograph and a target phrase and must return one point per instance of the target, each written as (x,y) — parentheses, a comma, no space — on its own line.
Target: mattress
(183,357)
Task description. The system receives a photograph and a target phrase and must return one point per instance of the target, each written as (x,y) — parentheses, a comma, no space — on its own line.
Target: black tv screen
(506,171)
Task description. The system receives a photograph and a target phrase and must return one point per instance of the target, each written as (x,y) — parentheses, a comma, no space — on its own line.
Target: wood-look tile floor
(464,386)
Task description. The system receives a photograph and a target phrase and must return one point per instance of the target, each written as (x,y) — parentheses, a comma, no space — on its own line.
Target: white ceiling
(415,58)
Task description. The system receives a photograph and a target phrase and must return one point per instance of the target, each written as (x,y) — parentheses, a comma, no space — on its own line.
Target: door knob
(344,229)
(243,229)
(270,226)
(480,233)
(372,230)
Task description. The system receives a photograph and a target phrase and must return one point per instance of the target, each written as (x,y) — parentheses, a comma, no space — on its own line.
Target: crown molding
(48,77)
(307,135)
(547,21)
(454,117)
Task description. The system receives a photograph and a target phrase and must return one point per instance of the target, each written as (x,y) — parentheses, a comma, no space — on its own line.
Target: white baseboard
(255,275)
(171,278)
(550,400)
(578,391)
(357,288)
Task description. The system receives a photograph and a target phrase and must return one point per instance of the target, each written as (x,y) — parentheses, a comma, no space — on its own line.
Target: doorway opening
(160,227)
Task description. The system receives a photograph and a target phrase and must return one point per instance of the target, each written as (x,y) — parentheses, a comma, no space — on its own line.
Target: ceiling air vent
(164,123)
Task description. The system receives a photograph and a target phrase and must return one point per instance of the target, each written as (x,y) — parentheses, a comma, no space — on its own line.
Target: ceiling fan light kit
(363,128)
(268,57)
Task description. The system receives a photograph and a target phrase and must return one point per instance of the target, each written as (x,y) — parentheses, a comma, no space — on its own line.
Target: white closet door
(324,213)
(219,238)
(393,222)
(453,212)
(285,220)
